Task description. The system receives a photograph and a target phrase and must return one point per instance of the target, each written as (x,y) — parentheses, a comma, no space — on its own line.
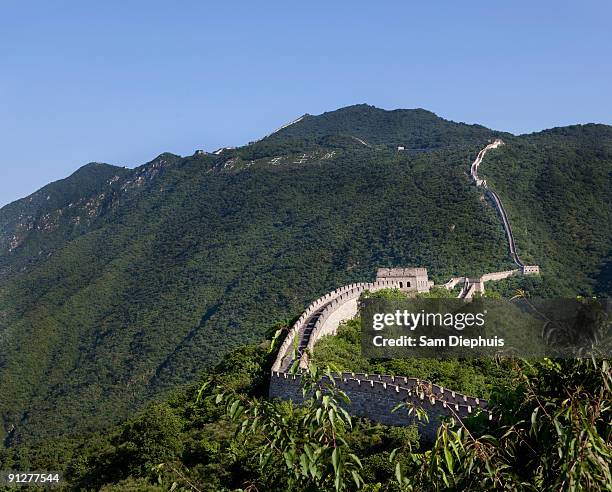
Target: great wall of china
(375,396)
(477,285)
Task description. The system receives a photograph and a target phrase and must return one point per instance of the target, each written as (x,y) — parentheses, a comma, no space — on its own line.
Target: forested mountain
(557,185)
(52,215)
(117,285)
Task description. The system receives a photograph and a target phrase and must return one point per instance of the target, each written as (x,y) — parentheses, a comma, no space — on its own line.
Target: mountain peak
(412,128)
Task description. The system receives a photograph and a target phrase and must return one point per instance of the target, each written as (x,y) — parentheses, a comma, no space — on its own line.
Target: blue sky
(122,81)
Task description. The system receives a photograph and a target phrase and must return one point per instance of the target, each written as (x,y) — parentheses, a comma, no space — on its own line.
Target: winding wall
(527,269)
(322,317)
(375,396)
(473,285)
(372,395)
(507,228)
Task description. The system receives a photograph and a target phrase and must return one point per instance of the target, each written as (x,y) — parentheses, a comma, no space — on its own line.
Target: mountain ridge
(154,276)
(558,129)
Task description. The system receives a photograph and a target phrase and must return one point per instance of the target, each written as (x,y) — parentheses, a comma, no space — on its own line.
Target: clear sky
(122,81)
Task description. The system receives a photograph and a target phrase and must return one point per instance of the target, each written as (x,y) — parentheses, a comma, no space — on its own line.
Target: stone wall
(375,396)
(324,307)
(372,395)
(497,275)
(450,285)
(477,284)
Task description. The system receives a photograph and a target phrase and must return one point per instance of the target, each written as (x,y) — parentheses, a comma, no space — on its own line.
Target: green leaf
(356,478)
(356,459)
(393,453)
(335,459)
(398,473)
(449,460)
(233,408)
(305,464)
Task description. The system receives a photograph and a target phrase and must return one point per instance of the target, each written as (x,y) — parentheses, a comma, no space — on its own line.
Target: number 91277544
(21,478)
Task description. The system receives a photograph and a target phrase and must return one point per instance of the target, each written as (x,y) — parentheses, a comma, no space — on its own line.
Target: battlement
(372,395)
(375,396)
(406,279)
(383,273)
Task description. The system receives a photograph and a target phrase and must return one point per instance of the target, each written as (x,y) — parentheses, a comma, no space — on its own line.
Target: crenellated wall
(325,315)
(375,397)
(372,395)
(450,285)
(477,284)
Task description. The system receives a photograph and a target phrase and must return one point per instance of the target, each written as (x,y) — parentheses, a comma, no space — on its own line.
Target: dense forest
(117,286)
(551,431)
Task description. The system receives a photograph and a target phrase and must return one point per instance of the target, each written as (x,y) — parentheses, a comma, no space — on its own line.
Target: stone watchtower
(406,279)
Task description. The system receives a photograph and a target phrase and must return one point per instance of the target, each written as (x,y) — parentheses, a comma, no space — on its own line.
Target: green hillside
(139,279)
(557,185)
(33,227)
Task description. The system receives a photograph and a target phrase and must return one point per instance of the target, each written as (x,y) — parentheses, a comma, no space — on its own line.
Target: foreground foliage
(305,447)
(552,431)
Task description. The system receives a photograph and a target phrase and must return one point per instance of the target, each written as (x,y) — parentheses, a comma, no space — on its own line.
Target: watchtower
(406,279)
(530,269)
